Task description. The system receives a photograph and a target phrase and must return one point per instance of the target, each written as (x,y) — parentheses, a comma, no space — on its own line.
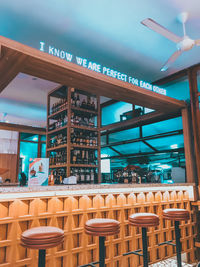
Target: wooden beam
(57,70)
(148,118)
(153,148)
(22,128)
(150,137)
(195,112)
(146,153)
(108,103)
(115,150)
(11,62)
(176,76)
(188,146)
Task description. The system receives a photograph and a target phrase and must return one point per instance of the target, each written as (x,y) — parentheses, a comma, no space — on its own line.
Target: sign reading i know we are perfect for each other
(99,68)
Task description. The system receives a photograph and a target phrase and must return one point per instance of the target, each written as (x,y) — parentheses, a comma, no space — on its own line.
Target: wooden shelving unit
(64,95)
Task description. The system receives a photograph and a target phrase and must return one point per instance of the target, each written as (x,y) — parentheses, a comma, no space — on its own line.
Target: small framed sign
(38,171)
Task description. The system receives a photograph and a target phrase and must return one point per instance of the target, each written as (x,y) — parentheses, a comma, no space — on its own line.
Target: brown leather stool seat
(176,214)
(143,219)
(102,227)
(43,237)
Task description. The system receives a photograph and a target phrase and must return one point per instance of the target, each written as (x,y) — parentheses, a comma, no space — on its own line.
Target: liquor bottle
(92,174)
(78,101)
(72,118)
(93,105)
(72,99)
(80,139)
(84,105)
(91,121)
(74,157)
(82,175)
(88,103)
(91,140)
(86,158)
(87,175)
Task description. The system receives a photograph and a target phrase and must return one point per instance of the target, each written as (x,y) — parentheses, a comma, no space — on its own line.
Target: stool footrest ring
(167,243)
(135,252)
(92,264)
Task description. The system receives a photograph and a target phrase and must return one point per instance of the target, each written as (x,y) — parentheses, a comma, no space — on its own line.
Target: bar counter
(69,206)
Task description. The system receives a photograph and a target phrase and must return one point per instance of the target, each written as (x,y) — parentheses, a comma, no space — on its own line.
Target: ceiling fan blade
(153,25)
(197,42)
(171,60)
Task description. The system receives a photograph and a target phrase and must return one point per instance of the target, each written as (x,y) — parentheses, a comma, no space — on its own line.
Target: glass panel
(111,114)
(198,80)
(43,150)
(137,147)
(8,142)
(43,138)
(124,135)
(29,137)
(166,143)
(27,151)
(162,127)
(178,89)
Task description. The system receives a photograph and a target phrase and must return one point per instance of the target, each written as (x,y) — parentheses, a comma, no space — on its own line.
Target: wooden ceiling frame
(16,58)
(22,128)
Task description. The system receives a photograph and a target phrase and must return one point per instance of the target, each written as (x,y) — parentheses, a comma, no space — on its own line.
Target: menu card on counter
(38,171)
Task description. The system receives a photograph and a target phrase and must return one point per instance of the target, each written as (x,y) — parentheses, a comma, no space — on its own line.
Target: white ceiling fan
(183,44)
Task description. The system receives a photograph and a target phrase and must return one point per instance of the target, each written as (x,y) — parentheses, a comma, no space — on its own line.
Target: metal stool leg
(102,251)
(41,259)
(178,243)
(144,245)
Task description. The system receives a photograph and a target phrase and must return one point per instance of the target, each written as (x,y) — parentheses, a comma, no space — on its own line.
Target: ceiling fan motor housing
(186,44)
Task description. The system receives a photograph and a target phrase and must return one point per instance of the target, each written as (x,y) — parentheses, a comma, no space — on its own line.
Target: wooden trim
(99,139)
(189,153)
(69,130)
(22,128)
(18,157)
(195,112)
(11,62)
(39,146)
(54,69)
(108,103)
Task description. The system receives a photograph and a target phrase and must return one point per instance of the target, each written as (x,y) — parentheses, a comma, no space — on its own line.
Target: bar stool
(176,215)
(143,220)
(42,238)
(101,227)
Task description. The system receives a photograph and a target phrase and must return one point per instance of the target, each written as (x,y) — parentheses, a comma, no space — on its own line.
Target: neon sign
(99,68)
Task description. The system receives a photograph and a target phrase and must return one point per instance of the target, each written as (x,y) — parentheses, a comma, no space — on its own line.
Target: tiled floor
(170,263)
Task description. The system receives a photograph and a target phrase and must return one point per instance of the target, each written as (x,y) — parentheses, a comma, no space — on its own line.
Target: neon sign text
(99,68)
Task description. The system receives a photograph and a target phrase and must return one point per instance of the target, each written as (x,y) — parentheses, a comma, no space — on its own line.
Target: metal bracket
(134,252)
(167,243)
(92,264)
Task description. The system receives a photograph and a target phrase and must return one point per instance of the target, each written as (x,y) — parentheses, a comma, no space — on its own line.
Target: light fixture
(174,146)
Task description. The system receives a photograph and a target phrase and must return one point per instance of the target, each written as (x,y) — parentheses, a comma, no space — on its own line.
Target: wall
(9,161)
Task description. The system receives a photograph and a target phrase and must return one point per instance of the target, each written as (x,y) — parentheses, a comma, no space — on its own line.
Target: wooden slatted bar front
(69,210)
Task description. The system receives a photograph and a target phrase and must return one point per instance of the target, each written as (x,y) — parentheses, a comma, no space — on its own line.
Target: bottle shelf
(55,114)
(58,166)
(84,110)
(84,128)
(57,147)
(84,146)
(57,130)
(84,165)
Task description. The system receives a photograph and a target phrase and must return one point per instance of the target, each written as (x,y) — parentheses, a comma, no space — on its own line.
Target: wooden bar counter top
(69,206)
